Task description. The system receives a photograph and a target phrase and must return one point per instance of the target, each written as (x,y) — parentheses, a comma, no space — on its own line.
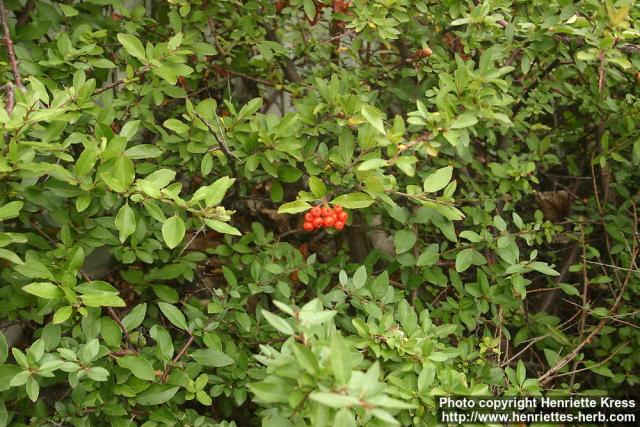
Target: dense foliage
(157,160)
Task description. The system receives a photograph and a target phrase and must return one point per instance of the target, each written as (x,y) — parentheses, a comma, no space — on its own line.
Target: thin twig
(532,86)
(601,70)
(585,295)
(602,362)
(612,266)
(515,356)
(176,359)
(231,158)
(117,83)
(544,379)
(192,239)
(115,317)
(9,43)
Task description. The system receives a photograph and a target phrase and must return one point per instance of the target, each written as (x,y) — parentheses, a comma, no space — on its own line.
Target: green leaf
(306,358)
(344,418)
(161,178)
(176,125)
(294,207)
(139,366)
(121,176)
(374,117)
(211,357)
(97,373)
(372,164)
(317,187)
(173,230)
(309,9)
(102,299)
(430,256)
(334,400)
(222,227)
(32,388)
(543,268)
(130,129)
(110,332)
(44,290)
(143,151)
(10,256)
(62,314)
(353,200)
(10,210)
(249,109)
(438,180)
(157,394)
(359,277)
(174,315)
(125,222)
(340,359)
(278,323)
(135,317)
(217,191)
(4,415)
(464,121)
(132,45)
(289,174)
(163,341)
(468,257)
(404,240)
(4,348)
(569,289)
(175,41)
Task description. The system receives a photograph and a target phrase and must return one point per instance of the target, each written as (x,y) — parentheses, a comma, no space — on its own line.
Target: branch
(176,359)
(24,15)
(279,86)
(140,73)
(535,84)
(9,43)
(221,143)
(115,317)
(551,373)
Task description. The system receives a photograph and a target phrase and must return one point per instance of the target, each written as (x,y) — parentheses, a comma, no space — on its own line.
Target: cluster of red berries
(325,217)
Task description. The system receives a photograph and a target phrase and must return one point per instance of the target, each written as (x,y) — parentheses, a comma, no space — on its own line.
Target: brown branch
(535,84)
(552,297)
(223,146)
(279,86)
(24,15)
(585,297)
(602,362)
(601,70)
(115,317)
(10,93)
(9,43)
(176,359)
(115,84)
(551,373)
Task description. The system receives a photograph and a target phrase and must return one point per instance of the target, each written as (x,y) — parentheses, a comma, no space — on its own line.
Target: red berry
(328,221)
(339,225)
(317,222)
(316,211)
(337,209)
(343,216)
(307,226)
(308,216)
(326,211)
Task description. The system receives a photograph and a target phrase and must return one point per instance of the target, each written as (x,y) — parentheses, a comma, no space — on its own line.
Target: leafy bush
(157,160)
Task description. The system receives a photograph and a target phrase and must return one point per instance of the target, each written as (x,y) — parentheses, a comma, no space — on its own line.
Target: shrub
(470,171)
